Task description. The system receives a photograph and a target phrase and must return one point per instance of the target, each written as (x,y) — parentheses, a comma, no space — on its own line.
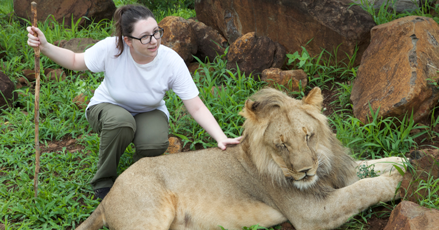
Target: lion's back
(211,167)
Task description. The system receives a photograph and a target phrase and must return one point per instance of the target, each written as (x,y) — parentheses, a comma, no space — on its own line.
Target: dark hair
(124,19)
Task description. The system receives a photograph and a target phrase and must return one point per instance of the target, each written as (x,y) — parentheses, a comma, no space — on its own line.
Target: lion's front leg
(369,168)
(338,207)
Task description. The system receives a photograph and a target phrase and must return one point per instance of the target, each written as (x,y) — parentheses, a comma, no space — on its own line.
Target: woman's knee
(117,117)
(151,152)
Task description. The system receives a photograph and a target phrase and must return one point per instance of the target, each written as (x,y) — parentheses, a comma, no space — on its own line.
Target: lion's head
(290,140)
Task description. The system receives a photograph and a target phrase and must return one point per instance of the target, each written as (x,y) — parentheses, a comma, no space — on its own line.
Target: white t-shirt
(137,87)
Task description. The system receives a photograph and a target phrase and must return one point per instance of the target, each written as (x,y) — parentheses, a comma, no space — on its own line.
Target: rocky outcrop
(410,216)
(210,43)
(397,70)
(315,24)
(63,10)
(290,79)
(254,54)
(7,88)
(179,36)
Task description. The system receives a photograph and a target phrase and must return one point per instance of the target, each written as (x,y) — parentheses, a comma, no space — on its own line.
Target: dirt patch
(376,223)
(68,143)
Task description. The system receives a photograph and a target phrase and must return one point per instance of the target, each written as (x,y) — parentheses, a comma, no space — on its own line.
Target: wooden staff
(37,101)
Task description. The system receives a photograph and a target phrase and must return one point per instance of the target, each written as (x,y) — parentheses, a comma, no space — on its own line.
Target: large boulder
(397,70)
(210,43)
(179,36)
(254,54)
(7,88)
(63,10)
(315,24)
(410,216)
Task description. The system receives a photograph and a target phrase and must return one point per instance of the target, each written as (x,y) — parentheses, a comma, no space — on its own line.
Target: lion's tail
(95,221)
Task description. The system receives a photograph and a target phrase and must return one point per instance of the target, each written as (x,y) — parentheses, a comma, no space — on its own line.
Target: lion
(288,166)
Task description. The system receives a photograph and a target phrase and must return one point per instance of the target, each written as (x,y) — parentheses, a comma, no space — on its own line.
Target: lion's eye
(281,146)
(308,136)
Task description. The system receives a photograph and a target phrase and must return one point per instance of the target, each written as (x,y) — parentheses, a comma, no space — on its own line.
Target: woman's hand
(204,117)
(63,57)
(229,141)
(34,41)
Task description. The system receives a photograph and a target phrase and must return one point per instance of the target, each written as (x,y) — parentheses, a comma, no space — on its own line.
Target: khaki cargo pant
(117,129)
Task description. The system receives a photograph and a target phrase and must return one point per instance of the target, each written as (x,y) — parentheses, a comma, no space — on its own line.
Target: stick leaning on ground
(37,101)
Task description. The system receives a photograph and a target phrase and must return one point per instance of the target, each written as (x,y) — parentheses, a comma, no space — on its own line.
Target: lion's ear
(249,111)
(314,98)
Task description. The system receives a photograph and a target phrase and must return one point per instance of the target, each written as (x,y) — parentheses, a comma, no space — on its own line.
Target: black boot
(100,193)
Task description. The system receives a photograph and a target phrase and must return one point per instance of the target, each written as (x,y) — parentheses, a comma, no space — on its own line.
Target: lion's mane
(335,168)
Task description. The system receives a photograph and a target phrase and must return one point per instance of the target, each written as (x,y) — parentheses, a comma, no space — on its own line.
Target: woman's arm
(205,118)
(63,57)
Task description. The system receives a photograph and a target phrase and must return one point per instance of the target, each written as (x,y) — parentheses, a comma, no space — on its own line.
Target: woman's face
(143,53)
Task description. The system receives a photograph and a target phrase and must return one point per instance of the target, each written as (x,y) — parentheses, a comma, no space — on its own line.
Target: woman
(128,105)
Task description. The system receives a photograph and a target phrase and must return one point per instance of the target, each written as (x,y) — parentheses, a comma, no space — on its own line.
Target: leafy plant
(365,171)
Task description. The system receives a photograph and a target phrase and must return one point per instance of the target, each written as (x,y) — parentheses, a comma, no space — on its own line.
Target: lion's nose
(305,170)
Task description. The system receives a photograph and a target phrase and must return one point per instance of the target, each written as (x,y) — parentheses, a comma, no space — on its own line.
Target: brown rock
(7,88)
(29,74)
(395,70)
(18,85)
(63,10)
(59,43)
(410,216)
(23,81)
(174,145)
(210,42)
(193,66)
(288,78)
(57,74)
(179,36)
(425,167)
(47,71)
(80,101)
(329,23)
(254,54)
(79,45)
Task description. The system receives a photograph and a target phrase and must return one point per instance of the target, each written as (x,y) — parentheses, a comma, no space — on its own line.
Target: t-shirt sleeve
(182,83)
(94,56)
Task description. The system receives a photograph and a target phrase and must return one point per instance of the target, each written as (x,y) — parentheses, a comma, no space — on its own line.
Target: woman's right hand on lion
(33,40)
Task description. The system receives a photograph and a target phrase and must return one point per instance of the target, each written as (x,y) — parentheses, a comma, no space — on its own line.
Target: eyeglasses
(147,38)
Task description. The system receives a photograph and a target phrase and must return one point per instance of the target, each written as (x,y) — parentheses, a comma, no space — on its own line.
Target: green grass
(65,197)
(387,12)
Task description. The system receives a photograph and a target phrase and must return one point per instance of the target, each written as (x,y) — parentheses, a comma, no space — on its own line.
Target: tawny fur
(289,166)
